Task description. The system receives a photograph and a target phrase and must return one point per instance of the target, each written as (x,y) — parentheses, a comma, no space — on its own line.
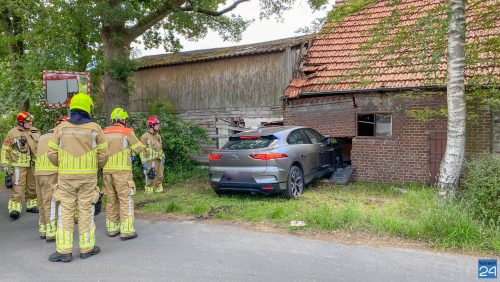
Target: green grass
(2,179)
(366,207)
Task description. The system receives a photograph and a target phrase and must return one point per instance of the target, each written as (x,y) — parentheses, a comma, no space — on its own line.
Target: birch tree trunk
(453,159)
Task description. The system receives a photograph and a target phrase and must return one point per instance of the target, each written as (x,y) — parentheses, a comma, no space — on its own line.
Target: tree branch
(150,20)
(190,8)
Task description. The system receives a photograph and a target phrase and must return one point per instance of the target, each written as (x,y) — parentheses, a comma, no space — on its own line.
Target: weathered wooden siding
(239,82)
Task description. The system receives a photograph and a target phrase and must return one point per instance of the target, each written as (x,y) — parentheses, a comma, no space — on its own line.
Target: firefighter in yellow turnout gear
(46,180)
(19,152)
(78,149)
(153,158)
(119,186)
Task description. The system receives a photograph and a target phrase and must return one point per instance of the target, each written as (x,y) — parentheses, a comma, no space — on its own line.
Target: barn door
(438,146)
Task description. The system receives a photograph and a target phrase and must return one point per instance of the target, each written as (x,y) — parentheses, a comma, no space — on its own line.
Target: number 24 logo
(484,271)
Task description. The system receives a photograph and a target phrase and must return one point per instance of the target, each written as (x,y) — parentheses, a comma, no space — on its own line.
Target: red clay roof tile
(336,61)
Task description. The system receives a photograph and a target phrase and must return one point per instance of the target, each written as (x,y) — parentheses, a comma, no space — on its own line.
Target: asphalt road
(189,251)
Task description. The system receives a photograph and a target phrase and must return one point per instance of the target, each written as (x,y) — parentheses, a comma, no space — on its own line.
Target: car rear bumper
(257,179)
(261,188)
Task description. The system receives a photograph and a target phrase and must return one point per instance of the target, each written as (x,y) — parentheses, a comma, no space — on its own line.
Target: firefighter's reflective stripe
(119,161)
(112,226)
(136,145)
(148,189)
(51,226)
(20,159)
(50,229)
(31,203)
(149,154)
(127,226)
(53,145)
(14,206)
(87,239)
(159,189)
(102,146)
(64,238)
(43,164)
(4,155)
(85,164)
(42,228)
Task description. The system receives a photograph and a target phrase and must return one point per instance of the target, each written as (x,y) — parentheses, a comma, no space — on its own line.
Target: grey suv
(273,160)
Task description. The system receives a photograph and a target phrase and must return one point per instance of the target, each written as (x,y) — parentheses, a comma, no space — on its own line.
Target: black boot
(32,210)
(50,240)
(55,257)
(14,215)
(129,237)
(42,237)
(94,251)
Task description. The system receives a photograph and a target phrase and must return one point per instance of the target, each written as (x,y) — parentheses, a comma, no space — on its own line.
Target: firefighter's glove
(9,182)
(98,205)
(145,167)
(5,169)
(151,173)
(132,158)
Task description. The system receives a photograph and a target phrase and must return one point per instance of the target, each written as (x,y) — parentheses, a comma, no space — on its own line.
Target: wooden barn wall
(239,82)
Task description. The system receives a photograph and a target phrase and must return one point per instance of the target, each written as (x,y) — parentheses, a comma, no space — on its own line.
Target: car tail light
(214,157)
(268,187)
(249,137)
(266,157)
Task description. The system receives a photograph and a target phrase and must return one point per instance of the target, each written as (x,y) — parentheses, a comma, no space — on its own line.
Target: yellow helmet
(81,101)
(119,114)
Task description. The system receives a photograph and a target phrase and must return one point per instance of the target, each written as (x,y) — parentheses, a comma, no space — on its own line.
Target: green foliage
(57,36)
(160,106)
(482,193)
(181,140)
(426,114)
(120,67)
(45,117)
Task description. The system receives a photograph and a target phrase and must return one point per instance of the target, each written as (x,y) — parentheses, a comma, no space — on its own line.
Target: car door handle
(302,156)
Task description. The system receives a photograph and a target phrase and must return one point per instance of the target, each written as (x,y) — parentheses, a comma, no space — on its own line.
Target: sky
(259,31)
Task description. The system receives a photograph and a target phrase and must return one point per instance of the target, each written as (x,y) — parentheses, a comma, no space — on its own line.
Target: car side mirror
(327,141)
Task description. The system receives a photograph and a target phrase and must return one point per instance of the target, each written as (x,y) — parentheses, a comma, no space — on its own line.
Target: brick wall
(403,157)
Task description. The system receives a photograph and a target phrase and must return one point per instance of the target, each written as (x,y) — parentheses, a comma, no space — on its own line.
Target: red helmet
(152,121)
(62,119)
(23,117)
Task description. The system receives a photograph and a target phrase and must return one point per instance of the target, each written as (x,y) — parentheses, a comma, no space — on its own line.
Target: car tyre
(295,183)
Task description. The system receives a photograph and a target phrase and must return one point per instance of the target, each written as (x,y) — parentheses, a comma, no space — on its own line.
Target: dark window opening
(375,125)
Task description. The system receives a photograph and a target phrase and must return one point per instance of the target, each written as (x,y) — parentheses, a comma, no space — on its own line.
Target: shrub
(181,140)
(482,193)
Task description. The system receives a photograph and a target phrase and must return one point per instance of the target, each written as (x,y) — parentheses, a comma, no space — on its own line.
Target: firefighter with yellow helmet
(79,150)
(46,181)
(153,158)
(119,186)
(19,152)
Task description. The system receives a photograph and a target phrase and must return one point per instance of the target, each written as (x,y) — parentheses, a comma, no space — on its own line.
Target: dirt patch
(377,202)
(343,237)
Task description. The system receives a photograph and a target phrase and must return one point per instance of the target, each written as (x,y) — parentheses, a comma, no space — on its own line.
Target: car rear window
(249,142)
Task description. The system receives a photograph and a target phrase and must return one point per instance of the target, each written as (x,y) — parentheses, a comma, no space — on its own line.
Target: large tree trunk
(453,159)
(116,90)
